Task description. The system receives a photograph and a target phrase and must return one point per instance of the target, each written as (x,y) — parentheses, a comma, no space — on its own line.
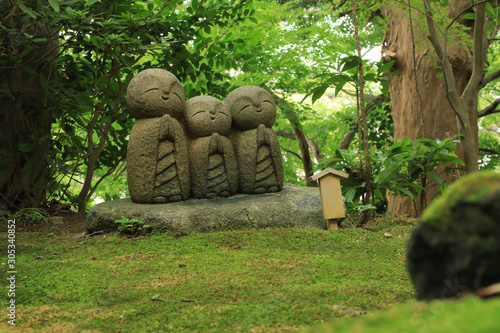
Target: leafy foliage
(26,215)
(489,143)
(293,48)
(346,72)
(102,45)
(129,226)
(403,169)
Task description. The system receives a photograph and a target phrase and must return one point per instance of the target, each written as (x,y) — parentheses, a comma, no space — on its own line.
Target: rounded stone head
(206,115)
(251,106)
(155,92)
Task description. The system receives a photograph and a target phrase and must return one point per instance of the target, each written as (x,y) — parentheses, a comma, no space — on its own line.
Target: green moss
(390,222)
(466,315)
(268,280)
(465,190)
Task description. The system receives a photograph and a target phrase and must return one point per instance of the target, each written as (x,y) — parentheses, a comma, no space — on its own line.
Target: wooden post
(332,224)
(331,195)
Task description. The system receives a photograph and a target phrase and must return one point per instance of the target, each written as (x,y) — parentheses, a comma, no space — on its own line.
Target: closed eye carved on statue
(165,93)
(206,115)
(155,92)
(209,113)
(252,111)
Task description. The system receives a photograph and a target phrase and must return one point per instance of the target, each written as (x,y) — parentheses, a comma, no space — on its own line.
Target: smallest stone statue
(256,145)
(157,156)
(214,172)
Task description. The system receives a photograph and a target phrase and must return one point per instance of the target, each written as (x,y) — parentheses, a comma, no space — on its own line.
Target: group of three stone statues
(202,147)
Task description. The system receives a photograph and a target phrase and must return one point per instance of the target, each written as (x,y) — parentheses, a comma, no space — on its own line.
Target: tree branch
(313,145)
(479,52)
(337,7)
(488,151)
(283,134)
(349,136)
(447,69)
(490,78)
(490,109)
(293,153)
(346,141)
(307,162)
(353,94)
(465,10)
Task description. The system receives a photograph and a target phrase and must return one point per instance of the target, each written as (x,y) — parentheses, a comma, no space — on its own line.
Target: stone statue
(255,143)
(157,156)
(214,172)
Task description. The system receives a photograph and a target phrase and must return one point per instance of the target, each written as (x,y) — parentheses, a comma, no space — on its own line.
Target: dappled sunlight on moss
(244,278)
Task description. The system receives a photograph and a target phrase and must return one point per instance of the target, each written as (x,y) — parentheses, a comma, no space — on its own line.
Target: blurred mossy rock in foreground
(295,206)
(456,246)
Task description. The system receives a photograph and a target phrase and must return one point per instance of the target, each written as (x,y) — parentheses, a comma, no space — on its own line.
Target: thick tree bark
(434,118)
(25,120)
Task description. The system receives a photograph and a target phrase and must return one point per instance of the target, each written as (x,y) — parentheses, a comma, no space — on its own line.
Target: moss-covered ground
(271,280)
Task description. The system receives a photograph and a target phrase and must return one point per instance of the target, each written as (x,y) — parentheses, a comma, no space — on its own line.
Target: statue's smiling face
(206,115)
(251,106)
(155,92)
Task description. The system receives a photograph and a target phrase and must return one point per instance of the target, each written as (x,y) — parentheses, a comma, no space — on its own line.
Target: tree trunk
(432,117)
(25,120)
(301,140)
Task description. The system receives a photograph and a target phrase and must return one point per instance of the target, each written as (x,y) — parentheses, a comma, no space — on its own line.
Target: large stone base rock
(456,247)
(295,206)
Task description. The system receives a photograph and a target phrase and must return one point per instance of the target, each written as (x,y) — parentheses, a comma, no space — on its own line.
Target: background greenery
(294,48)
(212,47)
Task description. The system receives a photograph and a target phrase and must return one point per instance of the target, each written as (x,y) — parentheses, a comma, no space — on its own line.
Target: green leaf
(388,174)
(89,3)
(318,92)
(428,142)
(350,194)
(377,193)
(405,191)
(470,16)
(370,77)
(385,87)
(351,63)
(26,147)
(489,11)
(28,165)
(386,66)
(102,83)
(339,155)
(491,27)
(55,5)
(437,179)
(29,69)
(341,83)
(26,10)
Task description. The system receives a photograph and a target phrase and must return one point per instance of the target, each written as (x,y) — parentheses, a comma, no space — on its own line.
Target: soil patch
(60,223)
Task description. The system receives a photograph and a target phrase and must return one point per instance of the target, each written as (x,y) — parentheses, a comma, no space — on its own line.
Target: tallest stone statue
(157,156)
